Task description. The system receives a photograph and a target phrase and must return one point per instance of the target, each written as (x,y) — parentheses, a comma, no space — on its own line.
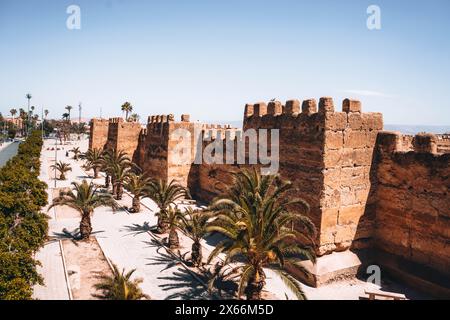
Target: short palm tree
(93,159)
(194,224)
(134,117)
(111,158)
(136,184)
(256,218)
(76,152)
(119,174)
(127,108)
(62,168)
(164,195)
(173,219)
(85,198)
(13,112)
(119,286)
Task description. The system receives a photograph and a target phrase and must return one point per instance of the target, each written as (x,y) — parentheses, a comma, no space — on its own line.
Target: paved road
(7,151)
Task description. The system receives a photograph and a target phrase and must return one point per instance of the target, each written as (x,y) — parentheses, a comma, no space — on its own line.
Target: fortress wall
(413,202)
(347,203)
(443,143)
(328,157)
(123,136)
(98,135)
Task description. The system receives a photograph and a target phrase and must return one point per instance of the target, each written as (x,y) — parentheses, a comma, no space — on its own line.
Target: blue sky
(208,58)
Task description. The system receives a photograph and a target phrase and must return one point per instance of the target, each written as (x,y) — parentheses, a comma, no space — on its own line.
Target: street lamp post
(56,151)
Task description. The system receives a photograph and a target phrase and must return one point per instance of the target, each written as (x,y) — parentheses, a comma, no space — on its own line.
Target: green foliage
(257,218)
(119,286)
(23,228)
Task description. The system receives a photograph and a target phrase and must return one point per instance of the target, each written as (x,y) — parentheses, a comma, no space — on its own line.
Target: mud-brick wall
(98,133)
(123,136)
(347,204)
(413,207)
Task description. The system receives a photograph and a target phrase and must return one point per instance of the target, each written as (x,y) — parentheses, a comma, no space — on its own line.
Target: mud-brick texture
(413,201)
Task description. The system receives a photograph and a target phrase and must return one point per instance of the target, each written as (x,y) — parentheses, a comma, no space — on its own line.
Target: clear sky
(208,58)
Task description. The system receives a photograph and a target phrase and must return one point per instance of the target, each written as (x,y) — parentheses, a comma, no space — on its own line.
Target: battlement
(422,143)
(116,120)
(310,114)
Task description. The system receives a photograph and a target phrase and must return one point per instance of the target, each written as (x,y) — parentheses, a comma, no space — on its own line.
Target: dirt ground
(84,262)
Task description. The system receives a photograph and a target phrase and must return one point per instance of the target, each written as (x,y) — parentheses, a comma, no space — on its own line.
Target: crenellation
(326,105)
(274,108)
(425,143)
(260,109)
(292,107)
(309,106)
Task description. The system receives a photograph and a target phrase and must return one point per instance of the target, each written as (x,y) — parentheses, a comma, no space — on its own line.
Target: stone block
(351,106)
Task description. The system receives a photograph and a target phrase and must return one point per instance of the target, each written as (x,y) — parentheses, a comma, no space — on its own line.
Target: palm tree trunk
(119,191)
(136,204)
(256,285)
(107,181)
(95,172)
(162,223)
(196,254)
(174,241)
(62,176)
(85,225)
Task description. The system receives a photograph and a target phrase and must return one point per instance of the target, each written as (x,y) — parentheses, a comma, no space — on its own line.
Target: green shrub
(23,228)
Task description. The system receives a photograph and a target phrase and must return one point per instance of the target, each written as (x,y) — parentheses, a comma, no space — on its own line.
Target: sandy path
(85,263)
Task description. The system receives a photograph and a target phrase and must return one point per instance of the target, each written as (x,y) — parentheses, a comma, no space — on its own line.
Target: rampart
(367,189)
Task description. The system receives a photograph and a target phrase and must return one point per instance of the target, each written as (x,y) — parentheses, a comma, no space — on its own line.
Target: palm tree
(255,216)
(111,158)
(46,113)
(136,184)
(13,112)
(69,108)
(173,219)
(66,116)
(119,174)
(119,286)
(194,224)
(84,198)
(165,195)
(28,96)
(76,152)
(93,160)
(134,117)
(62,168)
(127,107)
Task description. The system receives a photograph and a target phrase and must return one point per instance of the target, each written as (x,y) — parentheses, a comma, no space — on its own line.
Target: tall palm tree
(28,96)
(164,195)
(127,107)
(13,112)
(46,113)
(195,225)
(69,108)
(93,160)
(136,184)
(62,168)
(119,286)
(257,218)
(76,152)
(84,198)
